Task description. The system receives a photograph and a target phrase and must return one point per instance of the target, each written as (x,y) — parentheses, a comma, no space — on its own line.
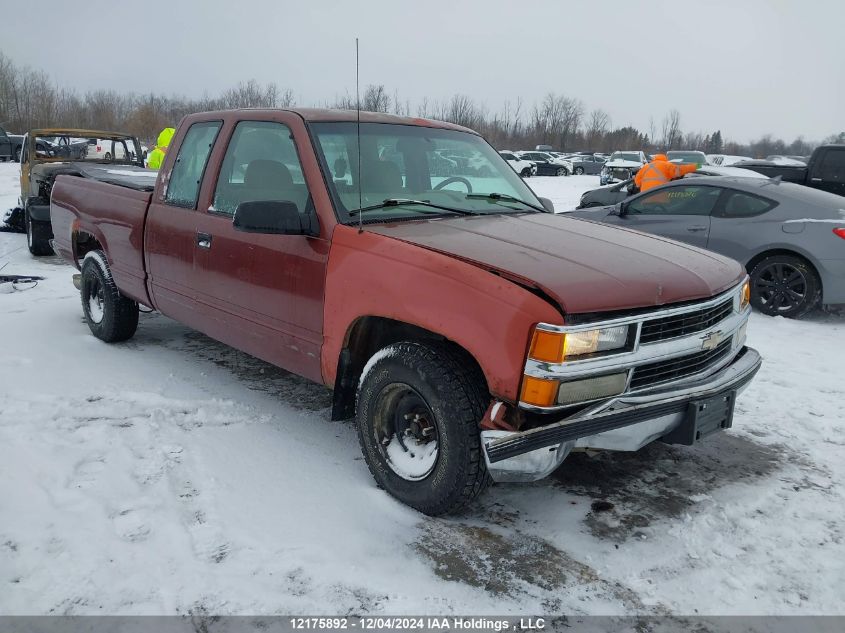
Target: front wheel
(418,410)
(785,285)
(111,317)
(526,173)
(562,171)
(579,171)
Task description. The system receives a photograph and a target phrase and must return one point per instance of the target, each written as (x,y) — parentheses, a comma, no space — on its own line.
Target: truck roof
(348,116)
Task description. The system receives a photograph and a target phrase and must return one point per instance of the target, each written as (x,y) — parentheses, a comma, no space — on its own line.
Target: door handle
(693,229)
(204,240)
(815,179)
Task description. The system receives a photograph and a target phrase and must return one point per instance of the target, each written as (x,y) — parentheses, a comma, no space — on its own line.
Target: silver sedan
(790,238)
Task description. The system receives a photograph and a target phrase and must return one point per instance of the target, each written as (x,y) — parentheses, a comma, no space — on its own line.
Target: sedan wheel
(579,171)
(561,171)
(784,285)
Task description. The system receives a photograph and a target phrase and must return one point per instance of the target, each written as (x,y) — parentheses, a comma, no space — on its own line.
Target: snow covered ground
(172,474)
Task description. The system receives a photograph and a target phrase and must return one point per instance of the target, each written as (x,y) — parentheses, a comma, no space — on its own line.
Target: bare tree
(671,129)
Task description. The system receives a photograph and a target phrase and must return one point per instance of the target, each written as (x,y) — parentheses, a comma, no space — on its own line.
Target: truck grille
(677,368)
(686,323)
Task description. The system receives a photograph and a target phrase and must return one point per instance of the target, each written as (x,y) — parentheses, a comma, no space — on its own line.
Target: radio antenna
(358,132)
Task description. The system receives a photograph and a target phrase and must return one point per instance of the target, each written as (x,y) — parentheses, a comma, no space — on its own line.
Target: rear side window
(745,205)
(184,186)
(832,167)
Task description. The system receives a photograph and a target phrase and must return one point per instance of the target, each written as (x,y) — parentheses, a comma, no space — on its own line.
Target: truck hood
(583,266)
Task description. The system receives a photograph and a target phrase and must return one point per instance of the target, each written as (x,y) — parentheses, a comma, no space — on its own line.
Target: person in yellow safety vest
(156,157)
(660,171)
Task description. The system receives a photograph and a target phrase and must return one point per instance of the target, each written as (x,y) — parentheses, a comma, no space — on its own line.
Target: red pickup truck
(474,334)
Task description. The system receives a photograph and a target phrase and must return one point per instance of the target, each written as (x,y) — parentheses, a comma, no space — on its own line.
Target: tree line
(30,99)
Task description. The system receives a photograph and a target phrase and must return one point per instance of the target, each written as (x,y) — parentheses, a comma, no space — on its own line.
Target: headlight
(745,295)
(557,347)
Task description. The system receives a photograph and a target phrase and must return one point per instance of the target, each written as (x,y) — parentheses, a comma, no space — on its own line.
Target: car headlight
(557,347)
(745,295)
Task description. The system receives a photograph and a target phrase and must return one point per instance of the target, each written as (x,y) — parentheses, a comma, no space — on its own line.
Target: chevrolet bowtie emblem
(711,341)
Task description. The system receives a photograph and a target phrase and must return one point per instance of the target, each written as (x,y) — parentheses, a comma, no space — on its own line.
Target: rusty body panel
(373,275)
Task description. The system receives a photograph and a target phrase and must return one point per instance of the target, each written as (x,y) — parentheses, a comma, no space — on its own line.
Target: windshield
(442,167)
(117,149)
(632,156)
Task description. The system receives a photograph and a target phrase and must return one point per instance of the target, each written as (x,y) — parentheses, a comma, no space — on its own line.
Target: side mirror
(548,205)
(278,217)
(622,209)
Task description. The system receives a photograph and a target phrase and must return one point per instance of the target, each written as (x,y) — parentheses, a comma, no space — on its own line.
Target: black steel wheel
(785,285)
(418,410)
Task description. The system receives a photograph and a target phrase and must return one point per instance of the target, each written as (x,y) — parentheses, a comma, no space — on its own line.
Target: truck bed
(113,208)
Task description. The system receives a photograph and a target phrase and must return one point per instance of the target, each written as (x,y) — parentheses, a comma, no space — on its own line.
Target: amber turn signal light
(539,392)
(547,346)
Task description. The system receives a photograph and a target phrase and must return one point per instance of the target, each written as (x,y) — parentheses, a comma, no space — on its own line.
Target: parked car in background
(824,170)
(586,164)
(615,193)
(473,334)
(622,166)
(113,149)
(687,157)
(524,168)
(724,160)
(791,239)
(51,152)
(787,160)
(547,165)
(10,146)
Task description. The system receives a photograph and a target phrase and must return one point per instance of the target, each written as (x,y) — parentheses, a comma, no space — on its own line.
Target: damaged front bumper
(678,413)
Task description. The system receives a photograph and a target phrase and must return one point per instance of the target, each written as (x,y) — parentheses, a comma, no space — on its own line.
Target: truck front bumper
(627,423)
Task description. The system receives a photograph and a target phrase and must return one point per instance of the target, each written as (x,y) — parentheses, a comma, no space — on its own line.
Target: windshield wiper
(504,196)
(399,202)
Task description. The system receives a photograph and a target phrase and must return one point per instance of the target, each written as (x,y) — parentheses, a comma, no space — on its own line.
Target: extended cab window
(677,201)
(261,164)
(746,205)
(185,179)
(832,167)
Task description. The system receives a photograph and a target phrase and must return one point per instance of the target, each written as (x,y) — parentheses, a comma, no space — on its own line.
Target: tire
(17,154)
(110,316)
(447,396)
(562,171)
(785,285)
(526,173)
(107,156)
(579,171)
(38,235)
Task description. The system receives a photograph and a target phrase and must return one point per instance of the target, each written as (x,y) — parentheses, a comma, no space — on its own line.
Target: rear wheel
(579,171)
(108,156)
(38,236)
(111,317)
(785,285)
(562,171)
(418,411)
(526,173)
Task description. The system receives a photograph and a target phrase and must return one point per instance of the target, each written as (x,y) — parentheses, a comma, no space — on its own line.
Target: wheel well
(84,243)
(363,339)
(779,251)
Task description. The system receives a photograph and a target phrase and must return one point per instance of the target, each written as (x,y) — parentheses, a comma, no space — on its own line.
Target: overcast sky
(747,67)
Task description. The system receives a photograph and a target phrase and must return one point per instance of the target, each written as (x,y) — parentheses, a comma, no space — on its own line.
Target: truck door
(170,235)
(828,171)
(680,212)
(264,292)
